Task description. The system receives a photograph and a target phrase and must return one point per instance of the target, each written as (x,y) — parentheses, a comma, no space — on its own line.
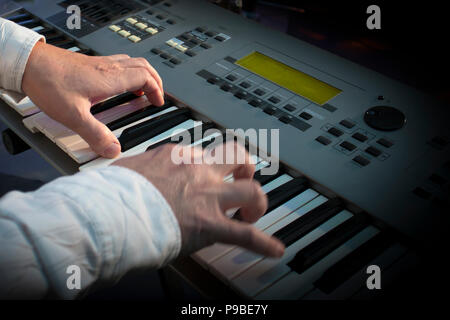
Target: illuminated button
(134,38)
(114,28)
(132,20)
(124,33)
(141,25)
(171,43)
(181,48)
(152,30)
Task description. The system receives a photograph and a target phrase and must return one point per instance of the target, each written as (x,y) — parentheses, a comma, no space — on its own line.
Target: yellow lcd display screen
(296,81)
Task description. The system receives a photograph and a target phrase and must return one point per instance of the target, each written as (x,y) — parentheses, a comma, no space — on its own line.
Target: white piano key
(285,209)
(268,270)
(38,28)
(74,49)
(24,106)
(103,162)
(239,259)
(358,280)
(207,255)
(294,286)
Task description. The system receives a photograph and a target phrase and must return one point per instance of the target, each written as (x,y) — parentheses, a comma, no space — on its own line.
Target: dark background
(412,45)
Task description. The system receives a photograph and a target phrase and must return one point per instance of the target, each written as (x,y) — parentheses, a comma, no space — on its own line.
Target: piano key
(112,102)
(321,247)
(269,270)
(103,162)
(80,150)
(45,32)
(144,131)
(191,132)
(137,115)
(312,220)
(38,28)
(54,38)
(20,17)
(209,254)
(65,137)
(31,23)
(74,49)
(240,259)
(333,285)
(24,107)
(294,285)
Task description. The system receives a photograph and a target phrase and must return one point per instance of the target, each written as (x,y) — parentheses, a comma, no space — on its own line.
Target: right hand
(199,198)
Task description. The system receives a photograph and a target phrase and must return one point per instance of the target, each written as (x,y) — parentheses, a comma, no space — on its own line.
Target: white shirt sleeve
(16,44)
(104,222)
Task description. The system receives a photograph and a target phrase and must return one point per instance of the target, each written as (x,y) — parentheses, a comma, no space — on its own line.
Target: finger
(247,236)
(246,195)
(101,140)
(143,63)
(135,79)
(118,57)
(230,157)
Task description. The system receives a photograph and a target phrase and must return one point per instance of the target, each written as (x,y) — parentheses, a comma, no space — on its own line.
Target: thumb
(101,140)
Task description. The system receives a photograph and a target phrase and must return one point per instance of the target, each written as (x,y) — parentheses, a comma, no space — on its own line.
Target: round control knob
(385,118)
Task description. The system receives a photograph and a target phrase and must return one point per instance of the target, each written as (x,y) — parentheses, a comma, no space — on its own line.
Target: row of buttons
(348,146)
(254,101)
(190,43)
(124,30)
(360,137)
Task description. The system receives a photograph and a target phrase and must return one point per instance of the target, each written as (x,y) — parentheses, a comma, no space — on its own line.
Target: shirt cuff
(16,44)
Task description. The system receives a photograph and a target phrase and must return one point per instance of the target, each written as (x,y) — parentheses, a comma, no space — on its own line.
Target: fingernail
(112,151)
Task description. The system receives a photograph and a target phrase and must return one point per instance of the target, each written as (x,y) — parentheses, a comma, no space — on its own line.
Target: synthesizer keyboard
(365,160)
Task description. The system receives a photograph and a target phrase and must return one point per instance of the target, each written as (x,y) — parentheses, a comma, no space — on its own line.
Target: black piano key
(20,17)
(46,31)
(324,245)
(191,132)
(144,131)
(64,44)
(358,259)
(29,23)
(135,116)
(214,140)
(308,222)
(286,192)
(265,179)
(111,103)
(55,38)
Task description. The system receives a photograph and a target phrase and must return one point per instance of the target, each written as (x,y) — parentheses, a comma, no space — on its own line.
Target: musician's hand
(199,198)
(65,85)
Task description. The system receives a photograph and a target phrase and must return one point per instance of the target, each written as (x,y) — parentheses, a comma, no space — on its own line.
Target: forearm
(106,222)
(16,44)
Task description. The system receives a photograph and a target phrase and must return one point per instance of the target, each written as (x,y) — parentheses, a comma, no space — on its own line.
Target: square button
(347,145)
(270,110)
(373,151)
(274,99)
(240,94)
(361,161)
(323,140)
(259,92)
(245,85)
(305,115)
(335,132)
(289,107)
(255,102)
(359,136)
(347,124)
(231,77)
(285,119)
(385,143)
